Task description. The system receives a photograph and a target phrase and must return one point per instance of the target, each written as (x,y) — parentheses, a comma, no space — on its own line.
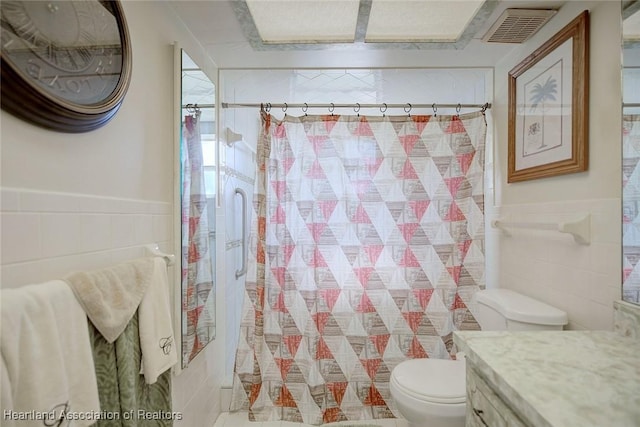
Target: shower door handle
(242,271)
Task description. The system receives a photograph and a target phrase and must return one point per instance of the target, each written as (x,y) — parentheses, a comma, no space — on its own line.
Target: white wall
(83,201)
(582,280)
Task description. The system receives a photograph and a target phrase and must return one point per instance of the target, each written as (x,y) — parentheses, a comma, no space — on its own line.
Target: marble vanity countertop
(560,378)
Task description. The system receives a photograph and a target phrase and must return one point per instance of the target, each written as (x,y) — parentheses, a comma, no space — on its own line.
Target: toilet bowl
(431,392)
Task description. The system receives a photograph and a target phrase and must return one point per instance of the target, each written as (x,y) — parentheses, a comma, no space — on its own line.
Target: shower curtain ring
(383,109)
(331,108)
(305,108)
(268,107)
(357,109)
(435,109)
(458,108)
(407,109)
(284,108)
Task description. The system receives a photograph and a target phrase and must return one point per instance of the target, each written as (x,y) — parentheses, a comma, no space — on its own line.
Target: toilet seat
(432,380)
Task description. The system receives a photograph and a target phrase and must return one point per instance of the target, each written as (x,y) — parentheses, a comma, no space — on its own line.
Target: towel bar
(154,250)
(580,229)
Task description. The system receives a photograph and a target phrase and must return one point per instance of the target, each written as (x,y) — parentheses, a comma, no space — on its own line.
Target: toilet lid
(433,380)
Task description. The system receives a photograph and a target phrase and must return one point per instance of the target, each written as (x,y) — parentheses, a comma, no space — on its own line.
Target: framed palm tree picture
(548,107)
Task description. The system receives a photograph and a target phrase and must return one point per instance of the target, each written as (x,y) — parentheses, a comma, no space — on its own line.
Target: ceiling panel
(419,21)
(305,21)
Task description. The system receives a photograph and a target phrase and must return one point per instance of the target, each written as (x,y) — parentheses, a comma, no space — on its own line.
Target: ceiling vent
(517,25)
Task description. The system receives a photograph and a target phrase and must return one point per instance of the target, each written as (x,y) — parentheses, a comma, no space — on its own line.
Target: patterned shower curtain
(198,322)
(367,245)
(631,206)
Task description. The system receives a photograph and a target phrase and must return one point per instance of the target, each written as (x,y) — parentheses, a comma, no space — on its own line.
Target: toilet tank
(503,309)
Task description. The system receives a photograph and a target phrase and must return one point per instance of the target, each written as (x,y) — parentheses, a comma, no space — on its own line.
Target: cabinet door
(484,407)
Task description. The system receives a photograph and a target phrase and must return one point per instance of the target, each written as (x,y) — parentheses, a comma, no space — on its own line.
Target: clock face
(70,49)
(66,64)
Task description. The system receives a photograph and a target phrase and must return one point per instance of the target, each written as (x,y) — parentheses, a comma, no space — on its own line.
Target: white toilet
(431,392)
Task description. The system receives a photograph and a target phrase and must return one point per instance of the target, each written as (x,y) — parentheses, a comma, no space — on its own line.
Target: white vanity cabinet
(551,378)
(484,407)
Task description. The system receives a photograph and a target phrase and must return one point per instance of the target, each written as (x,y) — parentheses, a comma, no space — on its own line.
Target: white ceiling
(216,26)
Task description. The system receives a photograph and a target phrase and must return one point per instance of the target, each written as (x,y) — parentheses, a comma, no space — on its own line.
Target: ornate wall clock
(66,65)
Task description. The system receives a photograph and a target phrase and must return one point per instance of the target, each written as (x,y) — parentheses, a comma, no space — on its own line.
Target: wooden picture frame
(549,107)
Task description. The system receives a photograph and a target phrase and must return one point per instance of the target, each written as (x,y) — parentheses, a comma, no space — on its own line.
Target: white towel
(111,296)
(47,357)
(157,343)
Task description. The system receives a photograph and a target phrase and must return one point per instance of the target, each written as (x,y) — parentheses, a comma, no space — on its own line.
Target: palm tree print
(539,95)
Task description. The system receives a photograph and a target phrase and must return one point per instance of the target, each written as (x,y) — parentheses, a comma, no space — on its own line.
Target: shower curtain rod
(631,104)
(356,105)
(198,106)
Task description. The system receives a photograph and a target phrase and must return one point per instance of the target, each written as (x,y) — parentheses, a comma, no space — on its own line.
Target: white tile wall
(196,391)
(46,235)
(549,266)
